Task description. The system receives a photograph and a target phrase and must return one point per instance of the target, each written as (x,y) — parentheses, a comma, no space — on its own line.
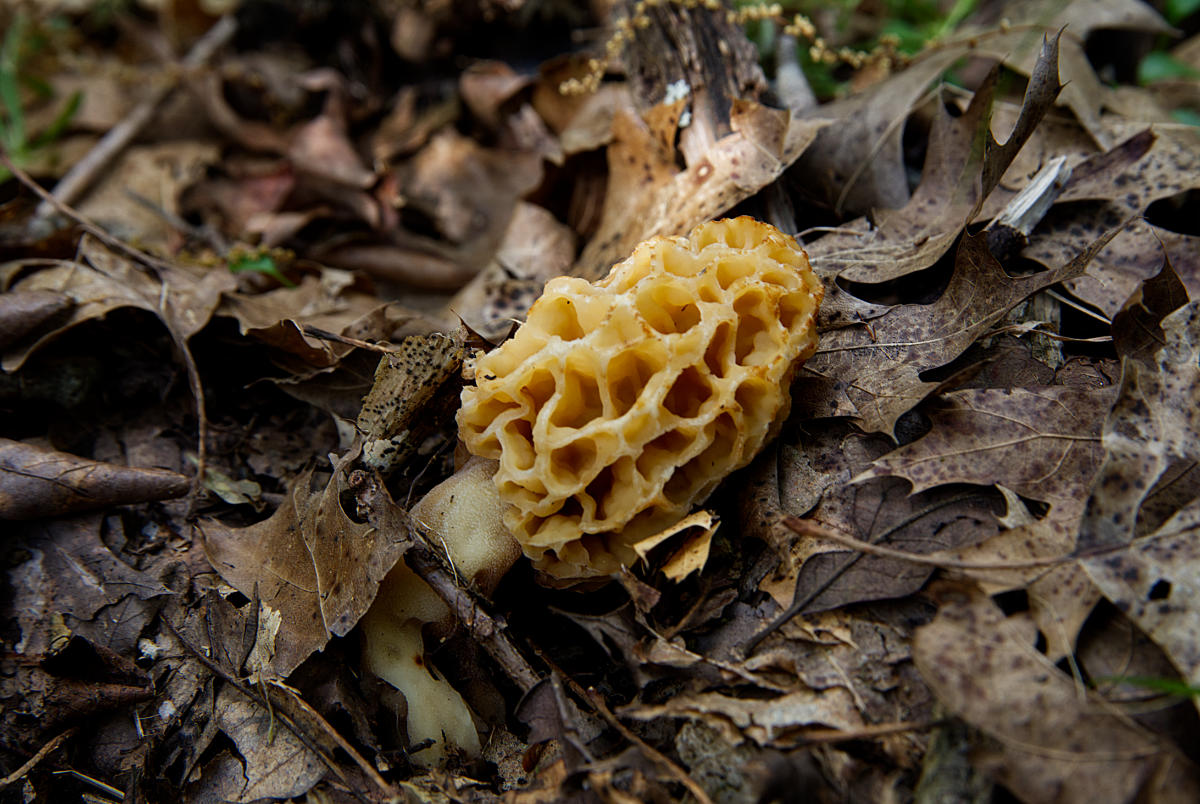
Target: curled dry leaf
(102,281)
(38,482)
(23,312)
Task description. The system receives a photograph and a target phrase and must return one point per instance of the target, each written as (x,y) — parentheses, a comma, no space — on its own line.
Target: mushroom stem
(463,517)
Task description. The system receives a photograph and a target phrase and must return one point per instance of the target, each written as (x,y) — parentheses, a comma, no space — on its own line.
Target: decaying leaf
(964,163)
(38,482)
(314,569)
(648,194)
(270,762)
(1151,434)
(405,381)
(877,364)
(1038,733)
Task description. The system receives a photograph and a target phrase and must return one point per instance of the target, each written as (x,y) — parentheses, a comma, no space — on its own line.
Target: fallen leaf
(271,762)
(38,482)
(314,569)
(877,365)
(23,312)
(1148,434)
(963,165)
(1154,583)
(856,165)
(1038,734)
(101,281)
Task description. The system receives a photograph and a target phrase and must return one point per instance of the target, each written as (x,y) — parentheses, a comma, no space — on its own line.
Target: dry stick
(308,742)
(376,504)
(100,158)
(484,628)
(597,702)
(20,772)
(162,267)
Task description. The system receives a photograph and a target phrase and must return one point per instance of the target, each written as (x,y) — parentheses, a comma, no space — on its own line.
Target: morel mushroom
(616,408)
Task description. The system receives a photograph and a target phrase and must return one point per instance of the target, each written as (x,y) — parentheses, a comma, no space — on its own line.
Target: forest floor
(967,569)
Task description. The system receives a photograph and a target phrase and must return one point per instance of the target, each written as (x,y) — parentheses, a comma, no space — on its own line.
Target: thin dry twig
(101,157)
(42,753)
(487,630)
(282,717)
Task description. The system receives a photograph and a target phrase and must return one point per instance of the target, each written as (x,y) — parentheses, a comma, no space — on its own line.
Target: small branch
(308,742)
(100,158)
(383,513)
(486,629)
(42,753)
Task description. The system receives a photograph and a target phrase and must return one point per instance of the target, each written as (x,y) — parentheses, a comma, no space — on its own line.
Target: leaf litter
(966,564)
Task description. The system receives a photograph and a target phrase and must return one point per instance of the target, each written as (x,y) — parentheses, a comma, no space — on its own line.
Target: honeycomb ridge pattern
(621,404)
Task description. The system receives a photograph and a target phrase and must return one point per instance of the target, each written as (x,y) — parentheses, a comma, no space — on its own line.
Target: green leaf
(1168,686)
(1176,10)
(1161,66)
(260,264)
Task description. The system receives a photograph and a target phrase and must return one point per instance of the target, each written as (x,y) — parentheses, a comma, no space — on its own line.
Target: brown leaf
(857,164)
(1040,735)
(877,364)
(405,381)
(1043,443)
(38,482)
(1016,46)
(271,762)
(958,175)
(1151,433)
(1155,583)
(1137,328)
(72,582)
(649,195)
(23,312)
(314,570)
(103,281)
(816,469)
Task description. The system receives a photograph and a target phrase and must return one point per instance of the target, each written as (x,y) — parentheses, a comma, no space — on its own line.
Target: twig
(486,630)
(100,158)
(379,509)
(596,701)
(42,753)
(163,268)
(286,720)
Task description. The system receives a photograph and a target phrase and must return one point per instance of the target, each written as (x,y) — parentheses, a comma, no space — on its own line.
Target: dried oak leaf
(872,370)
(1155,583)
(1037,733)
(857,164)
(270,761)
(1148,166)
(1039,443)
(314,570)
(815,575)
(1151,438)
(1016,45)
(959,174)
